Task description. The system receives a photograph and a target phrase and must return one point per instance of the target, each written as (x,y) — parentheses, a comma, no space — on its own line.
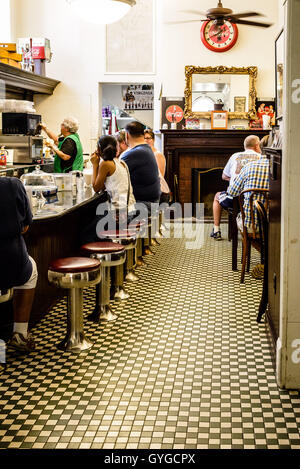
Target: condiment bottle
(3,156)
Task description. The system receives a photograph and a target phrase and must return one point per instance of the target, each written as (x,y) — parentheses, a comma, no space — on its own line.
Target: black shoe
(20,344)
(217,236)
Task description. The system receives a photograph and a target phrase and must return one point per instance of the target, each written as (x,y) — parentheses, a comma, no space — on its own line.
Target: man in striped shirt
(254,175)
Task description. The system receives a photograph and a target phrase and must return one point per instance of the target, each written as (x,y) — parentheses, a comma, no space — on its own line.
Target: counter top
(65,202)
(17,170)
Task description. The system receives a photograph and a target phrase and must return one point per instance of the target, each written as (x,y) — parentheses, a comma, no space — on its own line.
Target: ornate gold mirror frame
(190,70)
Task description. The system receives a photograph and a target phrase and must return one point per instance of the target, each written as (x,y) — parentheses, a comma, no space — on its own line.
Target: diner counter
(63,203)
(54,233)
(17,170)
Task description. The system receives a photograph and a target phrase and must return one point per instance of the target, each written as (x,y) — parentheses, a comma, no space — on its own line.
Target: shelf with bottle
(138,106)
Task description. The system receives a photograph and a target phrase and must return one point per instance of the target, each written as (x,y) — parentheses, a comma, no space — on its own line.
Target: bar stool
(6,295)
(74,274)
(128,239)
(110,255)
(140,228)
(147,240)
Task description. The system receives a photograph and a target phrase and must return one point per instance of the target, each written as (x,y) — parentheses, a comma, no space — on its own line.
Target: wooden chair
(253,238)
(264,230)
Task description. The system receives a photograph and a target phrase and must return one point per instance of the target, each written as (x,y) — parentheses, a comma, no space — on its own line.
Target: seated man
(17,269)
(231,170)
(142,166)
(254,175)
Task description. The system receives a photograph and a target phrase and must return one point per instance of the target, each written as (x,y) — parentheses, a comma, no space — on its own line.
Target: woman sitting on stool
(112,175)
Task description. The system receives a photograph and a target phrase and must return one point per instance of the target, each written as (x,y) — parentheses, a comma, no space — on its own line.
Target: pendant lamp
(101,11)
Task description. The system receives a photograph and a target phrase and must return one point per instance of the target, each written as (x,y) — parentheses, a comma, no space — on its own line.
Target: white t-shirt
(242,158)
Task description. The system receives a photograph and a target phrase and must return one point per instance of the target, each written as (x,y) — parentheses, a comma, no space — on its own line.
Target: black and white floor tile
(185,366)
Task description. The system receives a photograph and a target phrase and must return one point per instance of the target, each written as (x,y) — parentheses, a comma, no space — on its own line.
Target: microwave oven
(20,123)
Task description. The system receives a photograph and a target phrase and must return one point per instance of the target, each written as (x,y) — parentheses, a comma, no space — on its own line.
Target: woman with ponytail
(112,175)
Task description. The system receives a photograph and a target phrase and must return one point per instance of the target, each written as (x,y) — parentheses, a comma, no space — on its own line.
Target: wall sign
(172,111)
(138,97)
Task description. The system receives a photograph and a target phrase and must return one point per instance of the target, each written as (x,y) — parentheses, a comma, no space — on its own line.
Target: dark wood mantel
(188,149)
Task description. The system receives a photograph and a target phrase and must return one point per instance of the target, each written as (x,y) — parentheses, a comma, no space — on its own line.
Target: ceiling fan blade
(252,23)
(177,22)
(194,12)
(244,15)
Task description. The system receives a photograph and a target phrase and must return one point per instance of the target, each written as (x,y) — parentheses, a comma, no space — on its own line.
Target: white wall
(288,347)
(182,44)
(79,56)
(5,35)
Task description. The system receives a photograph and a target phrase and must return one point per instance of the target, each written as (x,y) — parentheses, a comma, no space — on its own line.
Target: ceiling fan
(219,15)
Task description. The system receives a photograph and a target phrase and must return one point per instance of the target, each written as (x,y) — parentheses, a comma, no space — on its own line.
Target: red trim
(216,49)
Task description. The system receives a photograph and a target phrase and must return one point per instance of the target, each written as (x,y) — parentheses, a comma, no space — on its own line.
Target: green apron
(78,162)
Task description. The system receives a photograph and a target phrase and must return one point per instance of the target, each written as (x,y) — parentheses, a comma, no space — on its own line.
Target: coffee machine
(27,149)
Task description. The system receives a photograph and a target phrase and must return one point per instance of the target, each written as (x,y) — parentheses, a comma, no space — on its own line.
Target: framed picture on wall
(219,119)
(279,70)
(240,103)
(266,107)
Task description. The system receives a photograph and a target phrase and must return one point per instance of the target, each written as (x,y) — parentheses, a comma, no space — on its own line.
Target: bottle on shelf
(3,156)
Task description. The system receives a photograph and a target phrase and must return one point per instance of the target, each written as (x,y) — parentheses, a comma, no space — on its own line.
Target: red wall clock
(219,38)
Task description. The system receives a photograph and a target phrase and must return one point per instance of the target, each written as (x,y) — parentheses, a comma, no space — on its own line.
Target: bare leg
(217,210)
(22,304)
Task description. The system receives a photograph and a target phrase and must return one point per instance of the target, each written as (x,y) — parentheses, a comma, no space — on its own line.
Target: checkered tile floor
(184,366)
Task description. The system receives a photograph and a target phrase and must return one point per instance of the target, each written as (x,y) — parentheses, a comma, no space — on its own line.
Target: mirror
(210,86)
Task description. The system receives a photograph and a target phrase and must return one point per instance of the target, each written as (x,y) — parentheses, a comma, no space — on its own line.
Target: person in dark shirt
(67,148)
(142,166)
(17,269)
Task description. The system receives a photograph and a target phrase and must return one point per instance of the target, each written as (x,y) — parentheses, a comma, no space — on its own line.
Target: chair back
(263,227)
(254,193)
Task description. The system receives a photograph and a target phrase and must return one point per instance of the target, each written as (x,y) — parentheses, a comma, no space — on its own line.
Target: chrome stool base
(131,277)
(77,343)
(121,294)
(102,313)
(154,242)
(140,262)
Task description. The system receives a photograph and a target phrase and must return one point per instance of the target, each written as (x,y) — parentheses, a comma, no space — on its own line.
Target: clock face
(219,38)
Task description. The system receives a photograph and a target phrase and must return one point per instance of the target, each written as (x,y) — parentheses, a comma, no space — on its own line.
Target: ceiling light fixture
(101,11)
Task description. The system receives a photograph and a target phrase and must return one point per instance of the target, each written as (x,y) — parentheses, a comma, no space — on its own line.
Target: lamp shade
(101,11)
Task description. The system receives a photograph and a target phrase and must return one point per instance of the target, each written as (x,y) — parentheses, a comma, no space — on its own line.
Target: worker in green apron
(67,148)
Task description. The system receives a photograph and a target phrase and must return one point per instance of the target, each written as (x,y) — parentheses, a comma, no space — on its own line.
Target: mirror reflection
(209,90)
(231,89)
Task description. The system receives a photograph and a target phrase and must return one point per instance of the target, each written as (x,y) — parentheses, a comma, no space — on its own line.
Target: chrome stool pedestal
(74,274)
(110,255)
(139,253)
(120,293)
(127,238)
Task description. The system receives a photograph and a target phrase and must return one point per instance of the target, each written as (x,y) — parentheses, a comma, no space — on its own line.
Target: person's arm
(100,173)
(161,163)
(67,151)
(25,229)
(225,177)
(50,134)
(59,153)
(238,184)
